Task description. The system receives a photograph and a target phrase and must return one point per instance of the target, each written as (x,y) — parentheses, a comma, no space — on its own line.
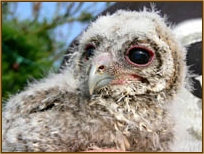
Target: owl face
(131,53)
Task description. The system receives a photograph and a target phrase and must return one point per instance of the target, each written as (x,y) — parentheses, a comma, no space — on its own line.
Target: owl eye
(89,51)
(139,56)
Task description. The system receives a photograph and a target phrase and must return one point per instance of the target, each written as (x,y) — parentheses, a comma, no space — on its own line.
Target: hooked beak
(98,78)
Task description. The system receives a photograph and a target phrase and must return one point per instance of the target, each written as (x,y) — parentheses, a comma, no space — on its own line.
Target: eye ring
(89,51)
(145,58)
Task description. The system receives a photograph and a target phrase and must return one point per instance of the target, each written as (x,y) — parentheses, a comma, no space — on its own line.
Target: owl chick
(120,90)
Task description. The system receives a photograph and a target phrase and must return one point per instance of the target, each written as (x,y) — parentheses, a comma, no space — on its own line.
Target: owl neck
(140,118)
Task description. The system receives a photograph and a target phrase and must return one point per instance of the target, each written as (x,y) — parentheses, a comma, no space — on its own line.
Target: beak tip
(90,91)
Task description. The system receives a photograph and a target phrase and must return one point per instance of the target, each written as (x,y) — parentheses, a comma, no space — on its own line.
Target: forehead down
(124,23)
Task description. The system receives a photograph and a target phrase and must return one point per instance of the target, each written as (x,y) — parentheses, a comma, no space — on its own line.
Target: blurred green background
(35,36)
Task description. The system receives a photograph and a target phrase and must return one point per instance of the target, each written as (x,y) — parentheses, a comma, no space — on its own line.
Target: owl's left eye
(139,56)
(89,51)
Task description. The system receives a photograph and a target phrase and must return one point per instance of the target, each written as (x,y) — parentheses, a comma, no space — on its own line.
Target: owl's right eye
(89,51)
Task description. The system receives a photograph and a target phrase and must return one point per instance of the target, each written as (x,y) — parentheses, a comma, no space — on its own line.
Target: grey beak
(98,79)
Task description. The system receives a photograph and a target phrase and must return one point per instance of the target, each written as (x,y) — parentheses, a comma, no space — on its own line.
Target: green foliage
(24,56)
(85,16)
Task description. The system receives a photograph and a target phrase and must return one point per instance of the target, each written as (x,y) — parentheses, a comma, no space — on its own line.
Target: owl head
(130,53)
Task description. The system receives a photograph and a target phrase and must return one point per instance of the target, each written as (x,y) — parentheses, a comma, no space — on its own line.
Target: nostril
(102,67)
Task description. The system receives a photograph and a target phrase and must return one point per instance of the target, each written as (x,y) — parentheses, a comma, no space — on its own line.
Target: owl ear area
(139,56)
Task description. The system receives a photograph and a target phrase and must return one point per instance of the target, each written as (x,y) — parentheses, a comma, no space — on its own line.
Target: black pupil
(89,51)
(139,56)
